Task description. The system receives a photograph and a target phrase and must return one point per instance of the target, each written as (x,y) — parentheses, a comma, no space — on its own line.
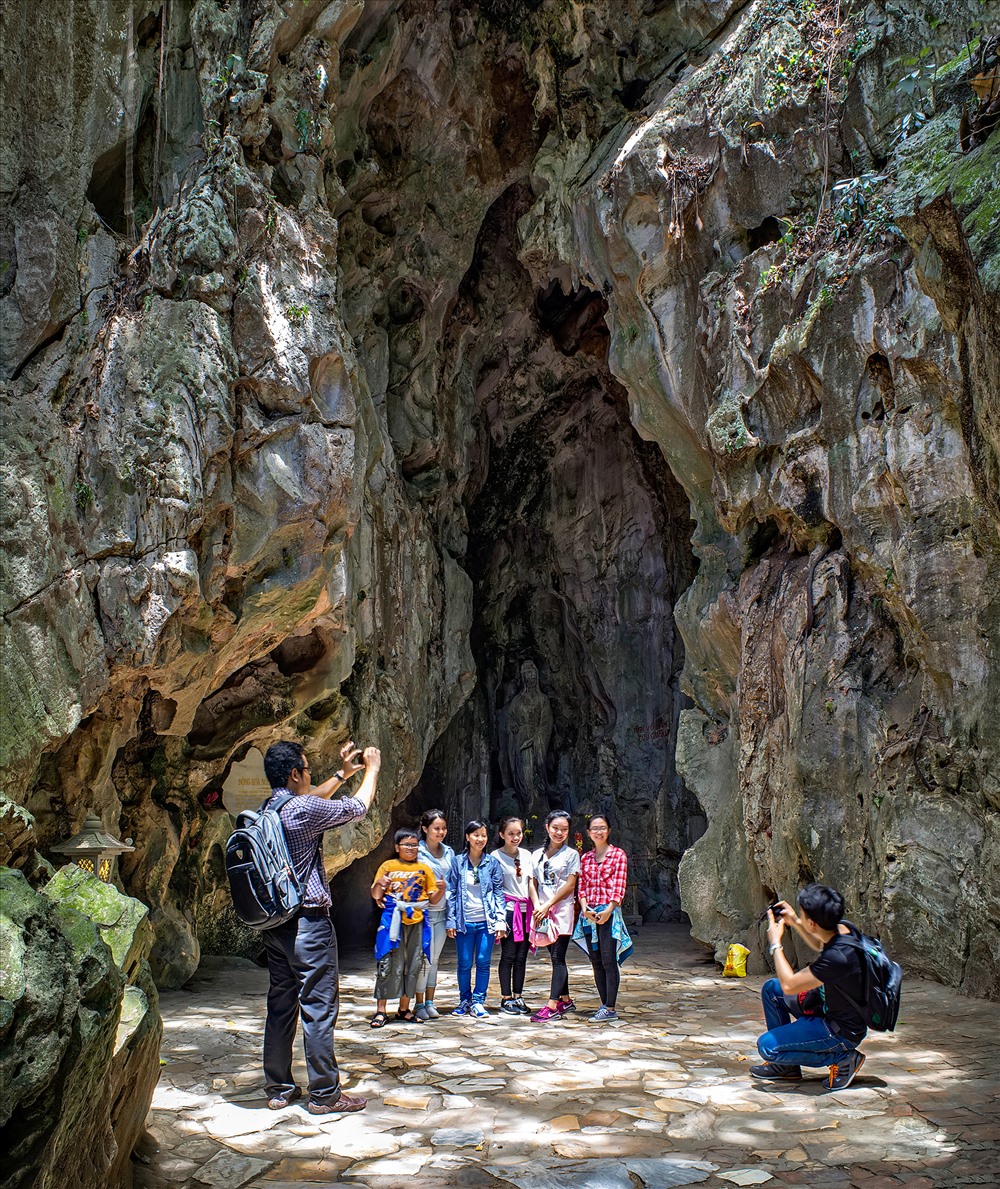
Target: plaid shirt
(306,819)
(600,883)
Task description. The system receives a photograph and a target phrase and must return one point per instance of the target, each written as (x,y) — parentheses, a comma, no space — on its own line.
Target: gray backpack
(265,887)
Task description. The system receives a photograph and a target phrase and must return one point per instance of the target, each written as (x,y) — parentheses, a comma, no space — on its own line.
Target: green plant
(297,313)
(82,236)
(307,126)
(83,495)
(770,277)
(226,75)
(828,706)
(860,207)
(890,577)
(915,87)
(210,138)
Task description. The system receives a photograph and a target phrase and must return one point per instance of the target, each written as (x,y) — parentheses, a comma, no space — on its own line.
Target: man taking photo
(302,953)
(827,1028)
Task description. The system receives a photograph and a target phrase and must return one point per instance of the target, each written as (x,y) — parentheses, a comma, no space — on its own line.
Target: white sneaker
(432,1011)
(480,1012)
(421,1012)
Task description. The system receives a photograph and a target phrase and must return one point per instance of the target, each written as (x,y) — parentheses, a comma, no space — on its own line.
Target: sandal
(378,1020)
(406,1017)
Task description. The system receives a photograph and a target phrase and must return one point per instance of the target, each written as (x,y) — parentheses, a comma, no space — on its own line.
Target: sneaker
(522,1007)
(509,1007)
(846,1070)
(565,1005)
(279,1101)
(421,1012)
(432,1011)
(775,1072)
(479,1011)
(343,1106)
(464,1008)
(546,1013)
(603,1014)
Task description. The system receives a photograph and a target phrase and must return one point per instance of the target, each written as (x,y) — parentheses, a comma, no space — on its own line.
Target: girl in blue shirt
(439,856)
(477,914)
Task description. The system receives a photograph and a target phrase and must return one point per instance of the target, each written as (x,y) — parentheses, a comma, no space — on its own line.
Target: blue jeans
(808,1040)
(475,944)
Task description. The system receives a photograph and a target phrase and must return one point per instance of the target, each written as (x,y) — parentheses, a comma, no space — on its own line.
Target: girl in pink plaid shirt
(601,930)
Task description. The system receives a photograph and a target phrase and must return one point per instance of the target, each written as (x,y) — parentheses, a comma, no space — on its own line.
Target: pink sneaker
(545,1013)
(563,1006)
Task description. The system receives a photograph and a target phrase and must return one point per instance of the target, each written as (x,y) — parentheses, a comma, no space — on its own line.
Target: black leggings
(513,960)
(605,961)
(560,971)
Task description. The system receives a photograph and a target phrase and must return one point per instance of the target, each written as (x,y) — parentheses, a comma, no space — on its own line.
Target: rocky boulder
(79,1031)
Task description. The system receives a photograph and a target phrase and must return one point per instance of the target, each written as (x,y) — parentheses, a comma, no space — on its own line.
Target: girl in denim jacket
(477,915)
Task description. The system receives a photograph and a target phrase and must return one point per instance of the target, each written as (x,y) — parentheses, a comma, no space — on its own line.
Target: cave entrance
(579,545)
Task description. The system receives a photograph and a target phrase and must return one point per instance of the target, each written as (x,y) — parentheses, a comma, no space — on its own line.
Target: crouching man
(826,1028)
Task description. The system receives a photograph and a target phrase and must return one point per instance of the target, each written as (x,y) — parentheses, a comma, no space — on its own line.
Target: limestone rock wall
(823,399)
(321,322)
(207,528)
(79,1031)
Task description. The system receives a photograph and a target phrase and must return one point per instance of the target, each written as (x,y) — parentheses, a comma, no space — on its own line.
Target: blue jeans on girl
(474,945)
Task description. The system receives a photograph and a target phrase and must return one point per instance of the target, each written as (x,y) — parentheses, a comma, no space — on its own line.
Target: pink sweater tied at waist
(520,909)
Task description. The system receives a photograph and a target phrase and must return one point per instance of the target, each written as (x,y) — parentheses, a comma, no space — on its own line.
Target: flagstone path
(660,1099)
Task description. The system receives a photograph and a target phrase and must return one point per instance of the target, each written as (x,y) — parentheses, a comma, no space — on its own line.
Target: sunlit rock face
(356,354)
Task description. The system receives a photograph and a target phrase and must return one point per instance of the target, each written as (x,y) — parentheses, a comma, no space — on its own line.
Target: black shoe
(342,1106)
(509,1007)
(846,1070)
(772,1071)
(280,1101)
(522,1007)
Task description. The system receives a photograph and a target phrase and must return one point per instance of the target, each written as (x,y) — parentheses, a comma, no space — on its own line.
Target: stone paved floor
(660,1099)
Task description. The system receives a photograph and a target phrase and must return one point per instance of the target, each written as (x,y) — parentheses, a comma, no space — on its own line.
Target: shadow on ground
(662,1098)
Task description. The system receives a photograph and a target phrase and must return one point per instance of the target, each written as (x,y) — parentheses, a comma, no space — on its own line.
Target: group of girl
(523,901)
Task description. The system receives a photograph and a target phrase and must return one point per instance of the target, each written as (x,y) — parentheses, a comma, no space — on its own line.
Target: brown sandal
(406,1017)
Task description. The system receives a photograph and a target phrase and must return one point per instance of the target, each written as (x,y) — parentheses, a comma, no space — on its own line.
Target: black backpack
(265,887)
(881,982)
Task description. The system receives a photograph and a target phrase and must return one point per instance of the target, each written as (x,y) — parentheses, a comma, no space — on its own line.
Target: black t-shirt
(839,966)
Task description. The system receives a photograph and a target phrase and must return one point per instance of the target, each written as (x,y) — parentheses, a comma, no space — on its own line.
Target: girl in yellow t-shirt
(403,888)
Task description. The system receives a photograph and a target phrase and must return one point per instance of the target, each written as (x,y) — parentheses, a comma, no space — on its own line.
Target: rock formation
(79,1031)
(356,353)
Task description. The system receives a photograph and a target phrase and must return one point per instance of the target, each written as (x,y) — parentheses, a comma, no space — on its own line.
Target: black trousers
(607,976)
(513,961)
(305,982)
(560,971)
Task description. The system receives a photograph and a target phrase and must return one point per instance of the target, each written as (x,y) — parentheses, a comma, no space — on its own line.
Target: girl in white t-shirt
(556,868)
(519,897)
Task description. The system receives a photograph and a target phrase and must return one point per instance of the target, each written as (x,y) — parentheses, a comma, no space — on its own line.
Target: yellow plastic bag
(736,961)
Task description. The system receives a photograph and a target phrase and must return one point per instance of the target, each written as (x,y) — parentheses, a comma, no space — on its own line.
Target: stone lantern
(94,850)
